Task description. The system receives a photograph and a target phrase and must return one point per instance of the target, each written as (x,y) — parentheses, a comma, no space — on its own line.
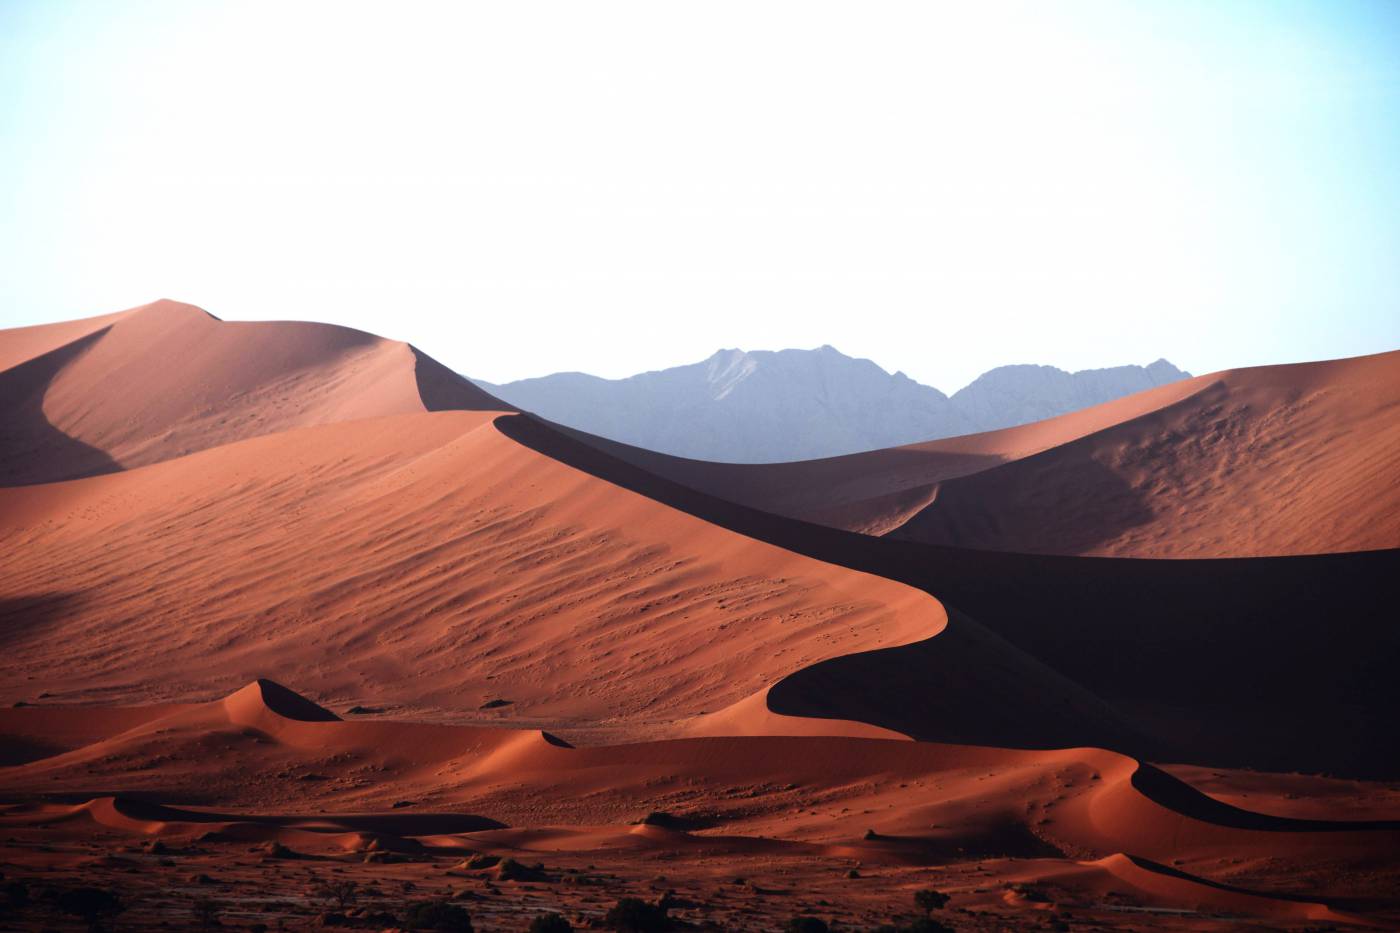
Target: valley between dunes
(285,604)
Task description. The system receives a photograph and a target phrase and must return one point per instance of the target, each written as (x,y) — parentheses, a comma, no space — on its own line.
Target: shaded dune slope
(166,379)
(1273,460)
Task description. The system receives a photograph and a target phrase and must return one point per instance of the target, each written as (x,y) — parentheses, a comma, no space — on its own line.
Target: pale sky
(519,188)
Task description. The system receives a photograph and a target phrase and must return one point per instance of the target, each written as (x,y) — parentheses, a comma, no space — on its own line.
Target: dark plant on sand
(340,894)
(634,915)
(438,915)
(928,900)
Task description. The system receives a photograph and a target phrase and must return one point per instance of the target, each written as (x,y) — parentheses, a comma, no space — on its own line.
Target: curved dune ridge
(443,566)
(1219,661)
(439,563)
(1271,460)
(167,379)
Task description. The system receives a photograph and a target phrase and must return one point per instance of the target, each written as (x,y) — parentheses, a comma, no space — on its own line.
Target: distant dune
(167,379)
(1271,460)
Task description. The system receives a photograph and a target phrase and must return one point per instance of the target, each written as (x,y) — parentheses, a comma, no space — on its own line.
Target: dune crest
(261,699)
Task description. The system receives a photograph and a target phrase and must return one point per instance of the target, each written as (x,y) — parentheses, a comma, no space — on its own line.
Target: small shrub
(550,923)
(929,900)
(511,870)
(634,915)
(341,894)
(438,915)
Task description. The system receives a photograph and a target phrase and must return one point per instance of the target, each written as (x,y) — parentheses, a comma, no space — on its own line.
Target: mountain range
(767,406)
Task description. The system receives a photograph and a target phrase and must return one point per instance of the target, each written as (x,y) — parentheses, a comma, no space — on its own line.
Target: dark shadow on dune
(21,750)
(1175,794)
(1331,901)
(291,705)
(554,740)
(1281,663)
(1041,504)
(443,390)
(26,617)
(403,824)
(964,685)
(32,450)
(889,485)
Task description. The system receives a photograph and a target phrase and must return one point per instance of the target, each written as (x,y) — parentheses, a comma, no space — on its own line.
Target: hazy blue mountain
(764,405)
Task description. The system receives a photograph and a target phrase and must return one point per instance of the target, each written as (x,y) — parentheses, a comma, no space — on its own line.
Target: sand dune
(442,564)
(1271,460)
(458,574)
(521,640)
(167,379)
(1275,460)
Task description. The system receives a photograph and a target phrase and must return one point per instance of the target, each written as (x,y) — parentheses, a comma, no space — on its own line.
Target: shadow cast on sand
(1092,505)
(32,450)
(440,389)
(937,690)
(1175,794)
(1226,662)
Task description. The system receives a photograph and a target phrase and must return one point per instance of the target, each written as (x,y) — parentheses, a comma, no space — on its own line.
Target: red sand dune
(440,563)
(292,501)
(1271,460)
(167,379)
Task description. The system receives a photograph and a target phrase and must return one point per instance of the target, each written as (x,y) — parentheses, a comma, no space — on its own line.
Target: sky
(521,188)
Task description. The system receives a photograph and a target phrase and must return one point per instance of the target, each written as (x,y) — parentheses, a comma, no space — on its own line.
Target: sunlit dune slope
(422,561)
(165,379)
